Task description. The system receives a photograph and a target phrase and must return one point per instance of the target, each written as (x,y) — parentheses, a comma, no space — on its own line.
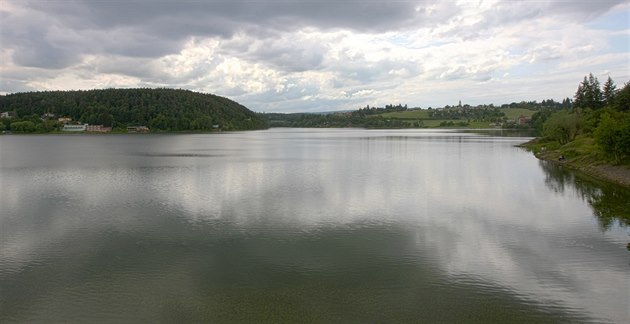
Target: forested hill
(159,109)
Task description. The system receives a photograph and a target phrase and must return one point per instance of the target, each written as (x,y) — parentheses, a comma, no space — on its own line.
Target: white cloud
(424,54)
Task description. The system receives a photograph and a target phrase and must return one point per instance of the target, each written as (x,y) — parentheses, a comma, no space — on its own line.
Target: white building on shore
(74,128)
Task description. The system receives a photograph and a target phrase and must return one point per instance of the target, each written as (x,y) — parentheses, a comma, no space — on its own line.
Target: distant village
(74,126)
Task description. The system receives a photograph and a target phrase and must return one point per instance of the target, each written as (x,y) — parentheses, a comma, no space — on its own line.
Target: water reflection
(302,225)
(610,203)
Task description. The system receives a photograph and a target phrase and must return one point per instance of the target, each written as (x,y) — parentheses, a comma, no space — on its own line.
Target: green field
(513,113)
(510,113)
(412,116)
(473,124)
(408,114)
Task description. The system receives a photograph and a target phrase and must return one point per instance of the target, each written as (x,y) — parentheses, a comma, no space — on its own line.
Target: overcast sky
(318,55)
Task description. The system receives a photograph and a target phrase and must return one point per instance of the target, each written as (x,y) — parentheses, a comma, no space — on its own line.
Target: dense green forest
(159,109)
(596,128)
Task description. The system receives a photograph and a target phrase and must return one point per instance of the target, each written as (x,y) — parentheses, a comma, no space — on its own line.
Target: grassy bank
(581,155)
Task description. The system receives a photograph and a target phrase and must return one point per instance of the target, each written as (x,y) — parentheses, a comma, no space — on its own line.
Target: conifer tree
(609,91)
(589,94)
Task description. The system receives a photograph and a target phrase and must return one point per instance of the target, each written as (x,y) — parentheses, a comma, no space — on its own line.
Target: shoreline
(596,169)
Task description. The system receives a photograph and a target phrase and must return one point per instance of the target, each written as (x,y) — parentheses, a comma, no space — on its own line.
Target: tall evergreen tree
(622,98)
(580,98)
(566,103)
(609,91)
(589,94)
(595,95)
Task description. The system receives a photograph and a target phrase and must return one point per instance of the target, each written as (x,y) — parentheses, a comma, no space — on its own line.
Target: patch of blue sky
(619,44)
(615,20)
(399,39)
(517,50)
(410,42)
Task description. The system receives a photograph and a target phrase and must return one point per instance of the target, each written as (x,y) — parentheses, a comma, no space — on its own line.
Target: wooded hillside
(160,109)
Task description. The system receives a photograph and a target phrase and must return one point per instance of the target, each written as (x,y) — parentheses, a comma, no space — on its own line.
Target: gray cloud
(277,54)
(286,52)
(153,28)
(146,28)
(43,55)
(512,12)
(221,17)
(32,43)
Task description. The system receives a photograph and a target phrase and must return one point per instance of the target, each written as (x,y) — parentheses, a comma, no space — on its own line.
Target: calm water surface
(305,226)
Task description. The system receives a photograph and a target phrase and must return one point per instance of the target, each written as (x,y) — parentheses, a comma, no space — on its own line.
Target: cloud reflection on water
(483,211)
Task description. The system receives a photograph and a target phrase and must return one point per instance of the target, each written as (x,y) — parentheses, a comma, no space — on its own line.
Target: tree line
(160,109)
(566,103)
(366,117)
(452,116)
(601,113)
(485,113)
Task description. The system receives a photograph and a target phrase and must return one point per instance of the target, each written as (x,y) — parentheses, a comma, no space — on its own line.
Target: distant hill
(159,109)
(399,116)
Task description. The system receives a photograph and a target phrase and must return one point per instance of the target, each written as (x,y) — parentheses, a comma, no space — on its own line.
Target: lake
(305,225)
